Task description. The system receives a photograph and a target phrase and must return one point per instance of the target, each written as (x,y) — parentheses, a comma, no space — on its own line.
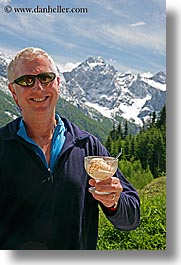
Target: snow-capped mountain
(96,87)
(4,60)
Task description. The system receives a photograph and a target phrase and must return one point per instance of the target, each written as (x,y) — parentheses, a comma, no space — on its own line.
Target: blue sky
(130,34)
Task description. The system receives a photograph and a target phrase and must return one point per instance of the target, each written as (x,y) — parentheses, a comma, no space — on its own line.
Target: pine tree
(153,122)
(161,123)
(132,147)
(125,129)
(108,143)
(120,131)
(113,133)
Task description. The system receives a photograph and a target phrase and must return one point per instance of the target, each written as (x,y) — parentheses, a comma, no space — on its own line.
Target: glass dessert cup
(100,168)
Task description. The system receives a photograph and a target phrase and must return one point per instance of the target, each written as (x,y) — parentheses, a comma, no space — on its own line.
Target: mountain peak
(159,77)
(93,62)
(94,84)
(97,59)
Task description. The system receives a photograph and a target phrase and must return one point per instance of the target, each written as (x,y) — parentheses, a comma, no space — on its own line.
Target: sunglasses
(29,80)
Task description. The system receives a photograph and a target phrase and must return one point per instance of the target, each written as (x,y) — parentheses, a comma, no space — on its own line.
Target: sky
(129,34)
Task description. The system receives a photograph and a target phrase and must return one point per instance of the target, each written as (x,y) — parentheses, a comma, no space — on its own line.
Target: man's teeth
(39,99)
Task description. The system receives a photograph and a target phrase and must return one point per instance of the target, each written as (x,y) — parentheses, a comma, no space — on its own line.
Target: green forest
(143,162)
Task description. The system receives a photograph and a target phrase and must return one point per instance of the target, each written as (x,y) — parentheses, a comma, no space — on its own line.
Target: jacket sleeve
(127,217)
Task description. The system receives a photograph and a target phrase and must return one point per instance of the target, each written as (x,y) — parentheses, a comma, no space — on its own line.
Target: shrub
(134,172)
(151,234)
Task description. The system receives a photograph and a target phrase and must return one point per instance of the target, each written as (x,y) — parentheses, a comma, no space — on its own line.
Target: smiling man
(35,89)
(44,197)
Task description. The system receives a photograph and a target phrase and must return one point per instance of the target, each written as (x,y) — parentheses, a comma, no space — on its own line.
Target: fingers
(107,199)
(109,185)
(112,186)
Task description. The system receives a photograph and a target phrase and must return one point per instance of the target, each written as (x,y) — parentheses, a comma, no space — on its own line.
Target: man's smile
(39,99)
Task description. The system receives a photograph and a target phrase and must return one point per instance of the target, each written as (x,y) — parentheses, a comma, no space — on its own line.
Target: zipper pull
(51,176)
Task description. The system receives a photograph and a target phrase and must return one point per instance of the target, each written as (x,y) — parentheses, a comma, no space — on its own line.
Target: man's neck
(40,131)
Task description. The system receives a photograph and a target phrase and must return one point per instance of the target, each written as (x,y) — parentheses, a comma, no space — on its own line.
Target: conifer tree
(108,143)
(119,131)
(113,133)
(125,129)
(161,123)
(153,122)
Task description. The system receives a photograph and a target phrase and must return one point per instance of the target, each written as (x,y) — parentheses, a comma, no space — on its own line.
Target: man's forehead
(33,64)
(33,59)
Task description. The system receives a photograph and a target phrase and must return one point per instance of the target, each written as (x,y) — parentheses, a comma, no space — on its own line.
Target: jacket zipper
(50,178)
(70,146)
(52,174)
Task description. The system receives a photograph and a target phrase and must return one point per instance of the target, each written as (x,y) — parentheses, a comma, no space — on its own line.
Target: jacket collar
(74,133)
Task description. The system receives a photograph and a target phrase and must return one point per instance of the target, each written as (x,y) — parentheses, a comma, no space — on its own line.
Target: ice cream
(100,169)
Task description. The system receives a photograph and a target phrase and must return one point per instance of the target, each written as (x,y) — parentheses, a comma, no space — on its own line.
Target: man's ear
(58,82)
(13,92)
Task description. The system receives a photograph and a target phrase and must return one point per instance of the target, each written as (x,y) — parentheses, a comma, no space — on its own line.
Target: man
(44,197)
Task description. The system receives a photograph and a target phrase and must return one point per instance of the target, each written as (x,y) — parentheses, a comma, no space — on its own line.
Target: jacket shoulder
(78,134)
(9,130)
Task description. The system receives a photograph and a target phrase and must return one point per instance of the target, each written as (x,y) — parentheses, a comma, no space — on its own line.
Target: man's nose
(38,85)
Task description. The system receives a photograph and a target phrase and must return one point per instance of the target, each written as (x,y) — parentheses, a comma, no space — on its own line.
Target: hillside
(151,234)
(8,112)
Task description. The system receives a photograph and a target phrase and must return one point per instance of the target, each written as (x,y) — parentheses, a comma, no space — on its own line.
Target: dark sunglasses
(29,80)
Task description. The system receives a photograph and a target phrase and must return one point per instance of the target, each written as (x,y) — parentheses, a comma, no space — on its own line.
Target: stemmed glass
(100,168)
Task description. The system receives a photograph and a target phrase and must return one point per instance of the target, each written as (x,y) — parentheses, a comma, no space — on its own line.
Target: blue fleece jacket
(40,209)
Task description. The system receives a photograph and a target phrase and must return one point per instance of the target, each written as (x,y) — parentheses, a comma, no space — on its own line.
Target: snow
(103,110)
(92,65)
(146,75)
(132,112)
(11,115)
(129,112)
(155,84)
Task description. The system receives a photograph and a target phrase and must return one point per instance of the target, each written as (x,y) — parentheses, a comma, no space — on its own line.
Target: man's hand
(111,185)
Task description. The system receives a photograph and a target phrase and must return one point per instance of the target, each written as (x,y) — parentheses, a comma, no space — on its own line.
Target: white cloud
(121,35)
(5,1)
(67,67)
(112,61)
(114,8)
(36,25)
(139,23)
(7,51)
